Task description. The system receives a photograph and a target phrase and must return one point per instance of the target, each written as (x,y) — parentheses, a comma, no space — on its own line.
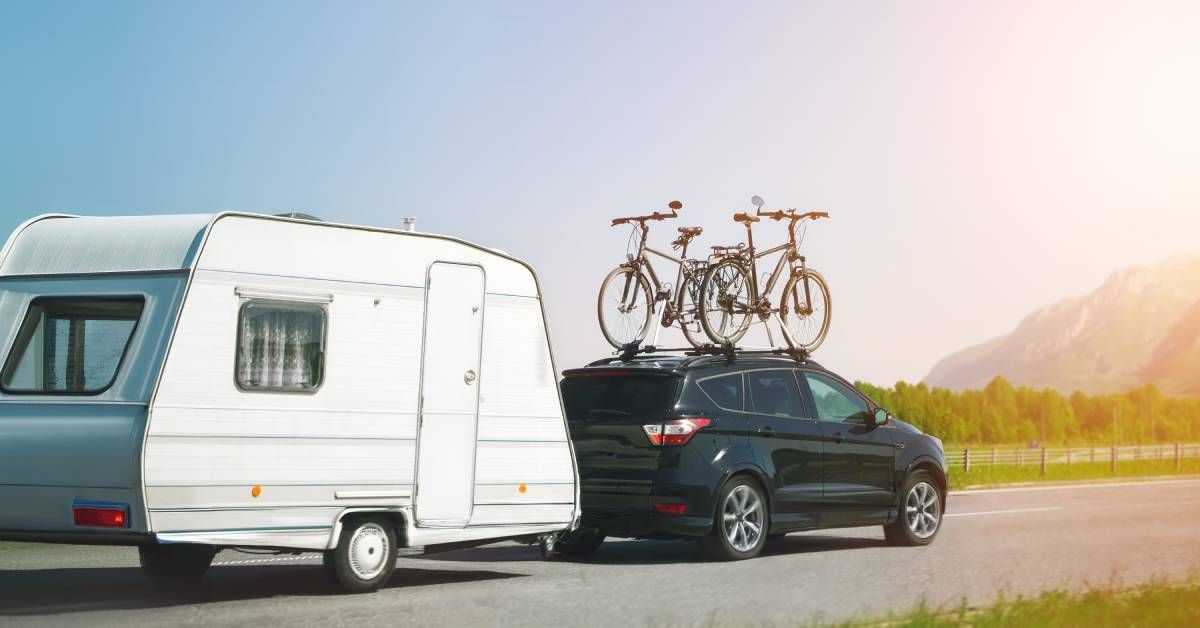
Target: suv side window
(834,401)
(774,393)
(724,390)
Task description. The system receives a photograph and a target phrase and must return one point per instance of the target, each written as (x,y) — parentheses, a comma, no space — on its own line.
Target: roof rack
(729,352)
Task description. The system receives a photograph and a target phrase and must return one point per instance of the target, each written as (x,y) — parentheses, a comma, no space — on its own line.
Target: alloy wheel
(743,518)
(923,510)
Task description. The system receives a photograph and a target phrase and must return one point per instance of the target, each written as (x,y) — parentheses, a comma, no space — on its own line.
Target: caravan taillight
(97,516)
(677,432)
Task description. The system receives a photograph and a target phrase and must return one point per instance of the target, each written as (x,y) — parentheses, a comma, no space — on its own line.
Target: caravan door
(449,410)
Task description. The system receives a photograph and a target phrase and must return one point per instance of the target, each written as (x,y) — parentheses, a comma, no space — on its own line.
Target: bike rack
(730,352)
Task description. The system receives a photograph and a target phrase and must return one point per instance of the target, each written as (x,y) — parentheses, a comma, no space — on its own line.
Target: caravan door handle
(766,431)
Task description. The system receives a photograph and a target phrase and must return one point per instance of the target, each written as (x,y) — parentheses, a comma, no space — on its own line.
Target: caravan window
(281,346)
(71,345)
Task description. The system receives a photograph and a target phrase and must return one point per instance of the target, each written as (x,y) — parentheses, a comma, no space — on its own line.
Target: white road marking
(263,561)
(1002,512)
(1064,487)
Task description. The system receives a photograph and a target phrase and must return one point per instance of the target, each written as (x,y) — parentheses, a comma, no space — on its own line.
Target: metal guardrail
(966,458)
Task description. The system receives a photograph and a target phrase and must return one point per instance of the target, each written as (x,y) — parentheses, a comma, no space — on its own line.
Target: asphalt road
(1011,540)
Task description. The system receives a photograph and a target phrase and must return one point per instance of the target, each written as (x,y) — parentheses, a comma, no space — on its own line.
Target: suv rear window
(71,345)
(609,397)
(724,390)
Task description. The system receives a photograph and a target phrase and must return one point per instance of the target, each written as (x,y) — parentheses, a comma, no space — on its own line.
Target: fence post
(966,459)
(1112,456)
(1020,457)
(993,456)
(1068,455)
(1178,456)
(1091,454)
(1043,461)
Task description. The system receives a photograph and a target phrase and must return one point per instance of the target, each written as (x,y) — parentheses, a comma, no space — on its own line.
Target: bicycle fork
(787,335)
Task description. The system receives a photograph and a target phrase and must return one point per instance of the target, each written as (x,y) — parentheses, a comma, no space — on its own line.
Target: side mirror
(879,418)
(675,205)
(757,201)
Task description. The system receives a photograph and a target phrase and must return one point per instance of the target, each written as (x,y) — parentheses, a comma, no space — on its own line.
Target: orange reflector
(522,488)
(256,491)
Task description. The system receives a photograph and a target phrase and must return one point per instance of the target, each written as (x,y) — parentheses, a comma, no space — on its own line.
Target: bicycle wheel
(625,307)
(725,311)
(806,314)
(689,315)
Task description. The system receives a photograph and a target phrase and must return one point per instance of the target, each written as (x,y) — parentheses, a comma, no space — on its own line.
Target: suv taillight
(677,432)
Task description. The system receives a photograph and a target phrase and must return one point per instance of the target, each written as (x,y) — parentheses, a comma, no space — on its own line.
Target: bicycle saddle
(690,232)
(744,217)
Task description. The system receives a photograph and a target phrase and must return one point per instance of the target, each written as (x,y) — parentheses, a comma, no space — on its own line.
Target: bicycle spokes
(726,308)
(625,307)
(806,309)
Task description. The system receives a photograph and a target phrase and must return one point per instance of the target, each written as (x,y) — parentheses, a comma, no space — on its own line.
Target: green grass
(1155,604)
(1032,472)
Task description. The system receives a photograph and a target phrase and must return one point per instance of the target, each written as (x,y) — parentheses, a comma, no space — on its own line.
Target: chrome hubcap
(368,551)
(742,518)
(923,510)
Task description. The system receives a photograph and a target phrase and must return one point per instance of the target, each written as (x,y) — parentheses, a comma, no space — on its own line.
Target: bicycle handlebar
(673,205)
(791,213)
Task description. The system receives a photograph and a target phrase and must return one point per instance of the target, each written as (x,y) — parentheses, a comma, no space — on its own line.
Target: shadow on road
(632,552)
(55,591)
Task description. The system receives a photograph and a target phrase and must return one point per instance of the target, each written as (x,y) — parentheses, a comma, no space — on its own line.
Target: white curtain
(280,346)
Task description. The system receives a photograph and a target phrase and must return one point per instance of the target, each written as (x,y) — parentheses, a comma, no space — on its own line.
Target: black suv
(732,450)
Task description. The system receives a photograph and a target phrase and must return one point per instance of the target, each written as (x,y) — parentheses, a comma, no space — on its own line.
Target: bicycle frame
(791,255)
(759,303)
(641,261)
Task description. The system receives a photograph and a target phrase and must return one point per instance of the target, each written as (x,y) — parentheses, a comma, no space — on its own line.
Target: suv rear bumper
(648,525)
(632,515)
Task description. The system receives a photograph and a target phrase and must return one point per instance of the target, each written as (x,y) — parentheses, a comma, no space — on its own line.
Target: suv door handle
(838,438)
(767,431)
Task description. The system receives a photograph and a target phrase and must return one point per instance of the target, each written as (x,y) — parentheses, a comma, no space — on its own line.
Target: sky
(978,159)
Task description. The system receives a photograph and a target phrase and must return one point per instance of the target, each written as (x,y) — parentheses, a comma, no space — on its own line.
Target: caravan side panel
(352,442)
(210,443)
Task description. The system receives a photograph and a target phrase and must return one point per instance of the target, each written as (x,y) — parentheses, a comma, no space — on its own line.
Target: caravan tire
(365,556)
(175,566)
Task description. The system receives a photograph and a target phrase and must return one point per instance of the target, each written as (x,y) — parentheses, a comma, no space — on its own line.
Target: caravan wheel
(365,556)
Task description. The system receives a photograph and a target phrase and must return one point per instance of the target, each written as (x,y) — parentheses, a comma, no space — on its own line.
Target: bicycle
(627,305)
(730,295)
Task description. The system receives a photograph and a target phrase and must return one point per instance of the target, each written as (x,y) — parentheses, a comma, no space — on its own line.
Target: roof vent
(410,223)
(300,216)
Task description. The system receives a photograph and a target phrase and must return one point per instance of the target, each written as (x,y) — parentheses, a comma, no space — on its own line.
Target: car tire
(365,556)
(920,516)
(579,542)
(175,566)
(740,522)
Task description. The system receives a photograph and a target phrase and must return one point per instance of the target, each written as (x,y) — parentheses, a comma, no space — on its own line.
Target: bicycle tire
(726,274)
(793,297)
(623,340)
(689,309)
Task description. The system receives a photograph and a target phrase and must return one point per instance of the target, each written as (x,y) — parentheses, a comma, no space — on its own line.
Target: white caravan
(187,383)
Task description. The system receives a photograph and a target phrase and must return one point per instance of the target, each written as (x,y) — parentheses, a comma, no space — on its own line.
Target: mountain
(1141,326)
